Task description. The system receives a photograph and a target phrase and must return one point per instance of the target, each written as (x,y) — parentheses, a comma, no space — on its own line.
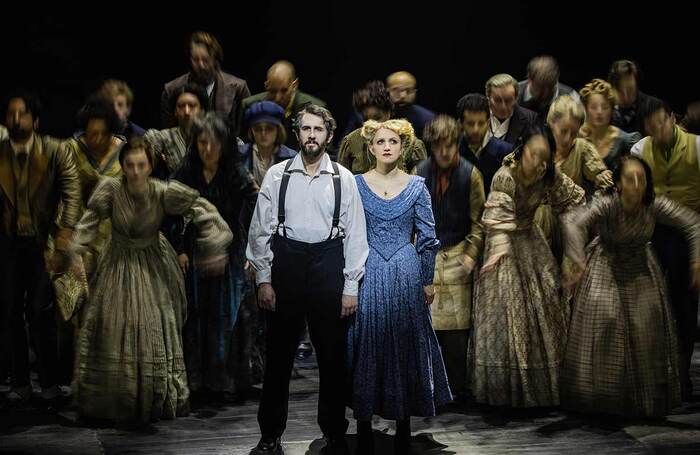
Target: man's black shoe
(336,446)
(268,446)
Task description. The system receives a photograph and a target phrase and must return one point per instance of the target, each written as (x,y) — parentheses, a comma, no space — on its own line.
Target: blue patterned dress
(393,353)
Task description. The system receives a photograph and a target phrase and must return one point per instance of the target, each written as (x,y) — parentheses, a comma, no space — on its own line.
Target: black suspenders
(283,195)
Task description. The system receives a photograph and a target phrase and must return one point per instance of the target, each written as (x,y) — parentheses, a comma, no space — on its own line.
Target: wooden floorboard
(477,430)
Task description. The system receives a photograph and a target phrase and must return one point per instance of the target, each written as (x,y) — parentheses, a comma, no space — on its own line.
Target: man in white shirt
(308,245)
(507,121)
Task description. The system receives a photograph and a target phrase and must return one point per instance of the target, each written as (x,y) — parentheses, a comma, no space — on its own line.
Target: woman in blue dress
(394,357)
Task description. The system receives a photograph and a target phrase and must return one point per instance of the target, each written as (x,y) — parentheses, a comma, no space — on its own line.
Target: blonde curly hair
(597,87)
(401,127)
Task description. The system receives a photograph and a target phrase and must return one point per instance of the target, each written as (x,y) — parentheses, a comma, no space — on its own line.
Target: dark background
(451,48)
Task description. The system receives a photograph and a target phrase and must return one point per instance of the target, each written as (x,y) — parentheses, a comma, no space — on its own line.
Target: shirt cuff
(263,276)
(350,288)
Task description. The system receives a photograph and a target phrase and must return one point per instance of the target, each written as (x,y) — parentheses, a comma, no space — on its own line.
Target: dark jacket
(632,119)
(541,109)
(417,115)
(521,121)
(490,159)
(452,214)
(229,92)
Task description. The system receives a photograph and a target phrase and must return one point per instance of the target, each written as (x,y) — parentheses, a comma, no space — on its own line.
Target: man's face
(626,91)
(202,63)
(542,90)
(444,153)
(402,92)
(20,122)
(313,135)
(122,108)
(475,125)
(280,90)
(659,126)
(186,109)
(502,101)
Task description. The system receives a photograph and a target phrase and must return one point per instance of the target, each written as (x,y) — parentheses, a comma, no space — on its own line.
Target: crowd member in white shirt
(507,121)
(308,245)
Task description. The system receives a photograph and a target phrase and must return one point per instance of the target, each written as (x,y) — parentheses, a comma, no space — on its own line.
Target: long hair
(214,125)
(648,198)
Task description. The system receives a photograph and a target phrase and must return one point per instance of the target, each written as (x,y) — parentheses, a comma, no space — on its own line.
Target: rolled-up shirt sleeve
(355,245)
(262,226)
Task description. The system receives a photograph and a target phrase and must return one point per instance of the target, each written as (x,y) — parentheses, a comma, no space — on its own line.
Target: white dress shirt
(309,205)
(497,128)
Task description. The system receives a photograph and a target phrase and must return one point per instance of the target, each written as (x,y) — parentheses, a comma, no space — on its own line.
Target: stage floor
(475,430)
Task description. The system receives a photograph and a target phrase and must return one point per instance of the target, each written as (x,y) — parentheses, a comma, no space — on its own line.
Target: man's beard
(18,134)
(313,153)
(204,78)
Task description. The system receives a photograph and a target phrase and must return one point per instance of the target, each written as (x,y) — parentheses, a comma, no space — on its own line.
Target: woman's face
(598,110)
(209,149)
(97,135)
(535,156)
(264,134)
(136,168)
(633,183)
(386,146)
(565,131)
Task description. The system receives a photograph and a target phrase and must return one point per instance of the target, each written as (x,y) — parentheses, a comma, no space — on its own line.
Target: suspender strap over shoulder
(336,209)
(282,196)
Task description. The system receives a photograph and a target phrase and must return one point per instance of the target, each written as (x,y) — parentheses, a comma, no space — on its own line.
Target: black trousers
(26,296)
(673,252)
(308,283)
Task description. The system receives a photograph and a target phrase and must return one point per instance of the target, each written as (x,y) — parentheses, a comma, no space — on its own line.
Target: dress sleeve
(427,243)
(498,218)
(675,215)
(577,224)
(99,207)
(213,233)
(475,238)
(594,168)
(564,194)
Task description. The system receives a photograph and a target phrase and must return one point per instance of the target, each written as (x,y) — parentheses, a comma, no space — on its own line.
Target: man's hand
(349,305)
(184,262)
(266,297)
(695,276)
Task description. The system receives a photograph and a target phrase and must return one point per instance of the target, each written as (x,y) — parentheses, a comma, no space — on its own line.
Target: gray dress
(621,355)
(130,364)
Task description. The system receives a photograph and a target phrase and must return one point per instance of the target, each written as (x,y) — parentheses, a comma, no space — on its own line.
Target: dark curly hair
(648,198)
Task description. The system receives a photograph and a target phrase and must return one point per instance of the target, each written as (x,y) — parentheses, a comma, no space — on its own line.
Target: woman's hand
(429,292)
(467,263)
